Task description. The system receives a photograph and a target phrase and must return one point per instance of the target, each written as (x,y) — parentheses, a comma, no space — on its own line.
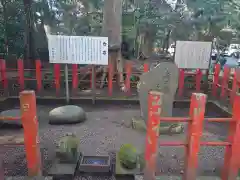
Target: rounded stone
(68,114)
(12,113)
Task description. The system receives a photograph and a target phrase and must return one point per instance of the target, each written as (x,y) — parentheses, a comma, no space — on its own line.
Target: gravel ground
(103,133)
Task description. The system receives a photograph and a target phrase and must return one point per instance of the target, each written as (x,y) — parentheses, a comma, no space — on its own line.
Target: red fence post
(128,77)
(234,84)
(145,67)
(3,74)
(110,79)
(217,70)
(232,157)
(197,111)
(57,74)
(31,138)
(74,77)
(38,75)
(198,79)
(154,112)
(225,77)
(181,82)
(20,73)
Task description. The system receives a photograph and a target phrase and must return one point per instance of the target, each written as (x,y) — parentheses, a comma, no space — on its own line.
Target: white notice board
(193,54)
(78,49)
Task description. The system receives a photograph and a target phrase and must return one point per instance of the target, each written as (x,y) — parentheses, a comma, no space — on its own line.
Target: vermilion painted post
(217,70)
(128,77)
(181,82)
(57,74)
(110,79)
(151,152)
(198,79)
(20,74)
(225,77)
(31,138)
(197,111)
(145,67)
(234,84)
(3,74)
(74,77)
(38,75)
(232,157)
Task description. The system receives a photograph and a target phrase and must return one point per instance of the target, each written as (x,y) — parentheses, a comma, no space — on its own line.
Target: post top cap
(27,92)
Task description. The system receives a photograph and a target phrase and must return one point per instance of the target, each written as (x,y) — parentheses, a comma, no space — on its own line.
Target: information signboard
(78,50)
(193,54)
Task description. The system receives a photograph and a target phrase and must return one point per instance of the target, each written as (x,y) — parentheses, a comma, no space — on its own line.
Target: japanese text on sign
(78,50)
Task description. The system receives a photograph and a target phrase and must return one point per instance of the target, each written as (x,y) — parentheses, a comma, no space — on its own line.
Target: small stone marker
(163,78)
(67,157)
(68,149)
(67,115)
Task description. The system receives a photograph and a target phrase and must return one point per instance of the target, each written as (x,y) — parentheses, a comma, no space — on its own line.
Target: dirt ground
(103,133)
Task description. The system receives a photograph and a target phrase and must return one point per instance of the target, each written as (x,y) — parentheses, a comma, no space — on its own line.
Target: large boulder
(67,115)
(12,113)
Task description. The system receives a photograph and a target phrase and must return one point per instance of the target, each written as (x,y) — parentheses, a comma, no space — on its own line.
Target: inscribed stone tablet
(163,78)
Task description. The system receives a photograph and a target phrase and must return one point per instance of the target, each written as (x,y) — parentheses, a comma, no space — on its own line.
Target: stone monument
(164,78)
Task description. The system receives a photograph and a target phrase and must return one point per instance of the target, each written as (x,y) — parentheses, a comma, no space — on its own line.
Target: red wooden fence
(75,74)
(220,87)
(227,84)
(193,143)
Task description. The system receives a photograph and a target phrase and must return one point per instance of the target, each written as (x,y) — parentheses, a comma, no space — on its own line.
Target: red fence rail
(75,78)
(195,119)
(225,84)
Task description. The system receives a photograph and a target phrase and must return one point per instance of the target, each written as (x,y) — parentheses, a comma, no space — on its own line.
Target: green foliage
(195,20)
(12,26)
(128,156)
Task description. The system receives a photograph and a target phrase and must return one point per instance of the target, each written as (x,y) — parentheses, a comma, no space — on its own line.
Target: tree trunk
(4,3)
(112,21)
(29,47)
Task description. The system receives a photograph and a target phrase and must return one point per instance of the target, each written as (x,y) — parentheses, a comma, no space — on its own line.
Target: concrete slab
(63,170)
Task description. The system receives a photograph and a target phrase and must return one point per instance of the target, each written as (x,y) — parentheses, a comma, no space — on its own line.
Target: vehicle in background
(214,54)
(230,62)
(171,49)
(232,50)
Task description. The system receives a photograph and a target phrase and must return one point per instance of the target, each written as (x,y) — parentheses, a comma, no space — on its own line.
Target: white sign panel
(193,54)
(78,50)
